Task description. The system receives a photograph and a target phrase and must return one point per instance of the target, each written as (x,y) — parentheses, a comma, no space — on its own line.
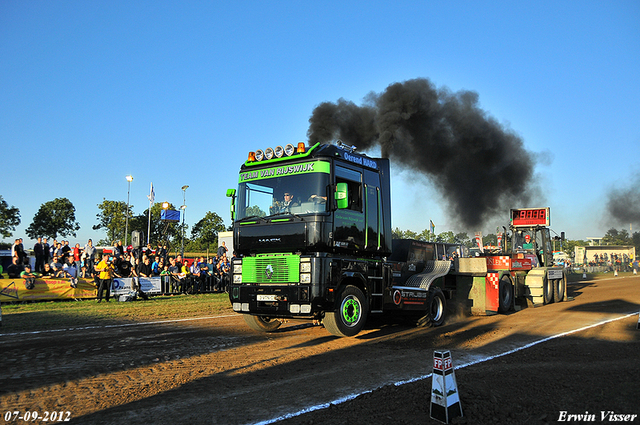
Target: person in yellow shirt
(107,272)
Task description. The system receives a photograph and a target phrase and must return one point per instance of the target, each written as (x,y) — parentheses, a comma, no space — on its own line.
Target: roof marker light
(259,155)
(252,157)
(279,151)
(301,148)
(289,149)
(268,153)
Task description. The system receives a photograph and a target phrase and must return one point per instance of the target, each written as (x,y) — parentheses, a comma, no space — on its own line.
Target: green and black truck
(312,239)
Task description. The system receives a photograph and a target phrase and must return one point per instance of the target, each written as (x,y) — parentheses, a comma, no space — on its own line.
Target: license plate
(554,274)
(267,298)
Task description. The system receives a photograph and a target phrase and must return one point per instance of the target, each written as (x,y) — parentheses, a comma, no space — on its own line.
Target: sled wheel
(559,289)
(350,315)
(548,288)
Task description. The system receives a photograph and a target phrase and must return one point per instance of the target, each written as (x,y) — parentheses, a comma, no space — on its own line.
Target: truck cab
(312,227)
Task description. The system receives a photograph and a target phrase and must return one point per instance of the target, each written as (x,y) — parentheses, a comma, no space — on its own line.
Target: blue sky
(177,93)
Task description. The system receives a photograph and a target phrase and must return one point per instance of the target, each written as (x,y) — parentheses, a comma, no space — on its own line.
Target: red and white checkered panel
(501,262)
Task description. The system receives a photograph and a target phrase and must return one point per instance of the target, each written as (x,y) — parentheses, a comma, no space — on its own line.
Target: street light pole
(126,225)
(184,211)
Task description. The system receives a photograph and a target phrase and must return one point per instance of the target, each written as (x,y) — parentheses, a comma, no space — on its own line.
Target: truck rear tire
(559,289)
(351,314)
(261,324)
(437,307)
(505,295)
(548,289)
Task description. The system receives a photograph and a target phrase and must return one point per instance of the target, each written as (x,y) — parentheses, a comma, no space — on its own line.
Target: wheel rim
(351,310)
(436,309)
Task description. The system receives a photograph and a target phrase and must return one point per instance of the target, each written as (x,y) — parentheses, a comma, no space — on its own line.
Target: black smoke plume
(480,168)
(623,203)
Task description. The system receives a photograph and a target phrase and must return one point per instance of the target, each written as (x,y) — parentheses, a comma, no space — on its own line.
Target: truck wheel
(261,323)
(505,295)
(437,306)
(559,289)
(548,288)
(351,314)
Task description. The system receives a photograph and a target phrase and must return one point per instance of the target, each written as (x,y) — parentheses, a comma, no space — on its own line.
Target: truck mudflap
(432,271)
(274,301)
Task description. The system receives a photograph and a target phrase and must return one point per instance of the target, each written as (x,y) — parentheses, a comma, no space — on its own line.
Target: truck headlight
(237,268)
(237,278)
(305,277)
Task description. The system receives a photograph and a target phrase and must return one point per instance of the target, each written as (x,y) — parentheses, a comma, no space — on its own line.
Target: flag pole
(151,199)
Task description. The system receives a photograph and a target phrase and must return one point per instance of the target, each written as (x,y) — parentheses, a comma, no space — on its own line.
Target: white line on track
(420,378)
(121,325)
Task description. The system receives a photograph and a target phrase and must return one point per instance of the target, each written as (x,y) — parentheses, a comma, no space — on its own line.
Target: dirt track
(217,371)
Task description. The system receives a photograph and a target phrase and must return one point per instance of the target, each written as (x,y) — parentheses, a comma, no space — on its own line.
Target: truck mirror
(342,195)
(231,193)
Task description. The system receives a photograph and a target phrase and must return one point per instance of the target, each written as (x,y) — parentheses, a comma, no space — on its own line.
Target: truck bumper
(273,301)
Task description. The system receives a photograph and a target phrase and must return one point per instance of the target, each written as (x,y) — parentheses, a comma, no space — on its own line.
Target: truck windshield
(298,194)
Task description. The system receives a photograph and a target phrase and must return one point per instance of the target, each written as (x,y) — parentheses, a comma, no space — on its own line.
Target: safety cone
(445,400)
(584,274)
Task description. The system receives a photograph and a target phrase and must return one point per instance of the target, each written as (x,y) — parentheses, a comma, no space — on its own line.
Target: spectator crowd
(60,260)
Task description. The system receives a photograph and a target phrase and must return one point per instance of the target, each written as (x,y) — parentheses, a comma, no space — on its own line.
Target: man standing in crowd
(45,252)
(118,250)
(222,249)
(66,251)
(143,269)
(105,267)
(38,251)
(90,255)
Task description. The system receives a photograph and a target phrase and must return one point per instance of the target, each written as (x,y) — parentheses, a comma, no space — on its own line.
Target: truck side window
(353,179)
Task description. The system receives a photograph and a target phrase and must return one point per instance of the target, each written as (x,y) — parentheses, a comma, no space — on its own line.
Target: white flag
(152,195)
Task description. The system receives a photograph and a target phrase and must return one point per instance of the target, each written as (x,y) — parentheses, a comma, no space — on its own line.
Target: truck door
(349,223)
(373,208)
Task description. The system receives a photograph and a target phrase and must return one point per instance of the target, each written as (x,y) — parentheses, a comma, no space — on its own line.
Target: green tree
(57,217)
(403,234)
(9,218)
(570,245)
(112,218)
(617,237)
(426,235)
(446,237)
(635,240)
(490,240)
(205,232)
(463,238)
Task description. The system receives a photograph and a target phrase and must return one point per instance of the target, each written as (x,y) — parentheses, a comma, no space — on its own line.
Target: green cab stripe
(285,170)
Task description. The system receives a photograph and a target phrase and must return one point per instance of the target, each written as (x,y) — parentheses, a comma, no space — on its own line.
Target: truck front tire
(261,324)
(350,315)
